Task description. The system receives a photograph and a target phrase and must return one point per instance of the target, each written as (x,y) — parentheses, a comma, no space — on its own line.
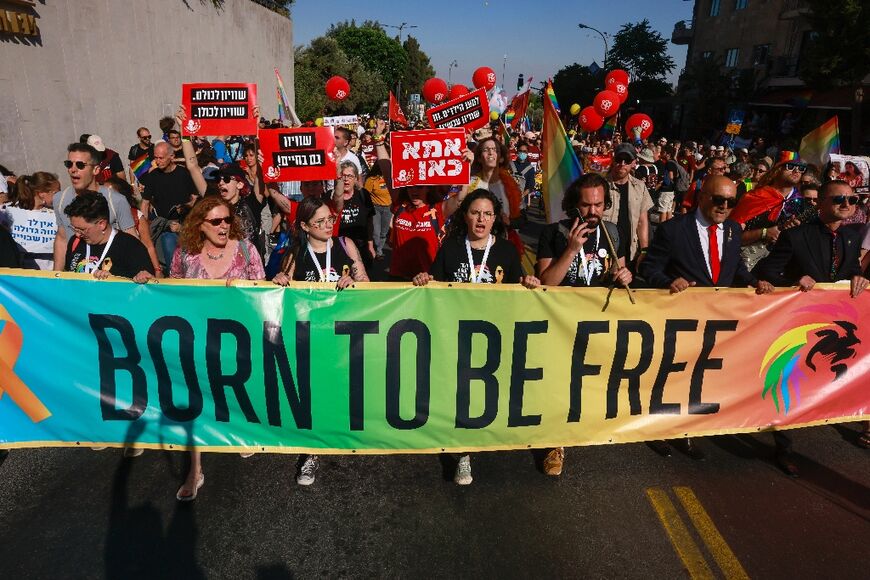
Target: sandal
(181,496)
(864,440)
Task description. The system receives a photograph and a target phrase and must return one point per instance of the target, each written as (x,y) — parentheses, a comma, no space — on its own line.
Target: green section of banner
(388,367)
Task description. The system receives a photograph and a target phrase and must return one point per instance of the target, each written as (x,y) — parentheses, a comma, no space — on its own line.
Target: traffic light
(520,82)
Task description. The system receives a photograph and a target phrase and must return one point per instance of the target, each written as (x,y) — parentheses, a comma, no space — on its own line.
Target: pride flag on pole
(817,145)
(141,165)
(559,163)
(285,112)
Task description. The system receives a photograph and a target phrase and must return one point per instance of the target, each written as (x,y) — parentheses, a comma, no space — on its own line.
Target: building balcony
(792,9)
(682,33)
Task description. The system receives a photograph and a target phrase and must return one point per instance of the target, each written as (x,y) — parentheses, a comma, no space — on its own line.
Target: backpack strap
(246,252)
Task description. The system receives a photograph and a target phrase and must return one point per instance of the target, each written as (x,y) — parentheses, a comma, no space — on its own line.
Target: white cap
(96,142)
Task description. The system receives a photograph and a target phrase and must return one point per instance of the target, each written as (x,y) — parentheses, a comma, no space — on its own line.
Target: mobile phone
(574,213)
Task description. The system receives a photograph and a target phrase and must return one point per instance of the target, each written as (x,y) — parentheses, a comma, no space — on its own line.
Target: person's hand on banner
(380,127)
(344,282)
(422,279)
(859,283)
(256,112)
(530,282)
(764,287)
(806,284)
(101,274)
(621,275)
(679,285)
(468,155)
(143,277)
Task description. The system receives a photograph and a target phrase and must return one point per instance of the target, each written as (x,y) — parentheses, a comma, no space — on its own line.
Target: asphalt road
(76,513)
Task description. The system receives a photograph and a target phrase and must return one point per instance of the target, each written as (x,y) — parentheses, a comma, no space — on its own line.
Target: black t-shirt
(554,243)
(136,152)
(126,256)
(341,264)
(502,265)
(623,221)
(355,217)
(9,256)
(166,190)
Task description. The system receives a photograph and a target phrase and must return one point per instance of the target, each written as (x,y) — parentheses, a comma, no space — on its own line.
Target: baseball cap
(646,155)
(229,170)
(625,149)
(96,142)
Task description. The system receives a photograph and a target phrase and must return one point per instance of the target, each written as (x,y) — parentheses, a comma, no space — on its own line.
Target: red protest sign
(219,108)
(430,157)
(470,111)
(302,154)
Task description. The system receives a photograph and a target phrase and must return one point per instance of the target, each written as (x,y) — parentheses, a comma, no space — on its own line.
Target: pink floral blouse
(246,265)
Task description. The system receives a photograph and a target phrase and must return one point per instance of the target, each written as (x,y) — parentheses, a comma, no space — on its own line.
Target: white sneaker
(463,471)
(307,471)
(133,451)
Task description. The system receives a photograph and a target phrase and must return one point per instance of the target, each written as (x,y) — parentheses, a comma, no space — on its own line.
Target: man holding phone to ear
(576,252)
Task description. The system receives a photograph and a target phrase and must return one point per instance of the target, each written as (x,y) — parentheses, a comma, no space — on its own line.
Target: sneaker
(463,471)
(554,460)
(133,451)
(307,471)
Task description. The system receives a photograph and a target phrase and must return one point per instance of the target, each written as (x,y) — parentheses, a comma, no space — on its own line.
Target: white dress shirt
(702,224)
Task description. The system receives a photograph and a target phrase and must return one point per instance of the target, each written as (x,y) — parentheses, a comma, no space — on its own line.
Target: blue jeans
(166,244)
(383,216)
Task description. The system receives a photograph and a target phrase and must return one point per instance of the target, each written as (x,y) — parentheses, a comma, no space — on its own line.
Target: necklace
(211,257)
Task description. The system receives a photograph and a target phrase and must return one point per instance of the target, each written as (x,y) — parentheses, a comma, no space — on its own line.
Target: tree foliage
(418,69)
(575,84)
(369,45)
(642,51)
(840,53)
(706,90)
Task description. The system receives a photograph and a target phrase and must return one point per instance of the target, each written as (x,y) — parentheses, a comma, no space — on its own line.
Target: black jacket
(805,251)
(675,252)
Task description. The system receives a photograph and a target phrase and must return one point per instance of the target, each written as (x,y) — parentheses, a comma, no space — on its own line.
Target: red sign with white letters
(301,154)
(219,108)
(429,157)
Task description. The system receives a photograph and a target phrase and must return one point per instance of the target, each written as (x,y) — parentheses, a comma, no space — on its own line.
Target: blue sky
(538,36)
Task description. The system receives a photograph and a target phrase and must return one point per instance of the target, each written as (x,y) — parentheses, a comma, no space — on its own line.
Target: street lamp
(450,68)
(400,28)
(604,38)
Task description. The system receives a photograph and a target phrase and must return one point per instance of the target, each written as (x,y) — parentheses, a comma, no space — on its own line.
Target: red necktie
(714,253)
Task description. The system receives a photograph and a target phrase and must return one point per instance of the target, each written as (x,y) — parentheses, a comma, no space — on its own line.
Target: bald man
(702,247)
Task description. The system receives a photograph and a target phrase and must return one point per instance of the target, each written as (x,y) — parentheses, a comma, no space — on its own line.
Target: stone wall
(107,67)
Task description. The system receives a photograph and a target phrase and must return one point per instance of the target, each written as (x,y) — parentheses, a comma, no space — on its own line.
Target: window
(714,8)
(707,55)
(760,53)
(741,4)
(731,57)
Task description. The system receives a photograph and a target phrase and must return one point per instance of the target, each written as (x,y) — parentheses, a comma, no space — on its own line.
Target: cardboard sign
(431,157)
(219,108)
(302,154)
(470,111)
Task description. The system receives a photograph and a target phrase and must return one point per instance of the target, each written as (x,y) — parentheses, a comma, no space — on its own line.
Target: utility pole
(400,28)
(604,38)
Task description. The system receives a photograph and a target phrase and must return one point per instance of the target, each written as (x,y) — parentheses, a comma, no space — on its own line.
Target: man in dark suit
(700,248)
(821,251)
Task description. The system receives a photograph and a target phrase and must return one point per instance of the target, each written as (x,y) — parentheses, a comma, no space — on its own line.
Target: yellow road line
(722,553)
(685,546)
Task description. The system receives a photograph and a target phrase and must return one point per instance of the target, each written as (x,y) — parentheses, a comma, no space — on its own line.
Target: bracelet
(379,139)
(642,250)
(763,233)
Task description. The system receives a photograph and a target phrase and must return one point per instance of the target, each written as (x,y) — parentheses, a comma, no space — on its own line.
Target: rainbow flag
(141,165)
(285,112)
(505,134)
(552,94)
(559,163)
(609,128)
(817,145)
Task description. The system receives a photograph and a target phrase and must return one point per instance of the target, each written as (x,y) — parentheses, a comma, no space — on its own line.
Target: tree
(642,51)
(418,70)
(315,64)
(576,84)
(840,51)
(705,90)
(369,45)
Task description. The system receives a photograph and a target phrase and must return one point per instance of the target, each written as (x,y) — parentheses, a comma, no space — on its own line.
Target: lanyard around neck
(588,268)
(322,277)
(475,279)
(90,269)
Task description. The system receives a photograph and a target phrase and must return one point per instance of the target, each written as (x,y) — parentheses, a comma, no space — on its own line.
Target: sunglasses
(79,164)
(728,202)
(622,160)
(324,222)
(226,178)
(145,137)
(221,220)
(841,199)
(796,167)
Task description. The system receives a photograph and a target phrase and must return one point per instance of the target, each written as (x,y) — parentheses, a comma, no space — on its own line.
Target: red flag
(519,105)
(396,113)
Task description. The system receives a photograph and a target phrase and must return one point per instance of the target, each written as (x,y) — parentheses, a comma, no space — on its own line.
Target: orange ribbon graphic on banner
(11,339)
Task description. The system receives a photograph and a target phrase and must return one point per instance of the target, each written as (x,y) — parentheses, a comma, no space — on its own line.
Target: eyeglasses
(324,222)
(220,220)
(486,215)
(728,202)
(718,168)
(760,169)
(796,167)
(841,199)
(80,231)
(348,176)
(145,137)
(79,164)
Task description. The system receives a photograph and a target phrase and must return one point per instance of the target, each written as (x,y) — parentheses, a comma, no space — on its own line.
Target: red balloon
(616,76)
(590,120)
(337,88)
(457,91)
(606,103)
(621,90)
(642,121)
(484,78)
(434,90)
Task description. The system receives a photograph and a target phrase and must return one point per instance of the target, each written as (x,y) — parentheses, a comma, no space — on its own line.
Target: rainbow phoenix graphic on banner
(559,162)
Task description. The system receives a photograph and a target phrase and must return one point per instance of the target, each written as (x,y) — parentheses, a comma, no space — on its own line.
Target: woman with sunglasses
(357,212)
(212,246)
(476,251)
(318,256)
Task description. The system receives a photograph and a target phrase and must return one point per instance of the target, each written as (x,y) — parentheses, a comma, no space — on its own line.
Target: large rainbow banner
(391,368)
